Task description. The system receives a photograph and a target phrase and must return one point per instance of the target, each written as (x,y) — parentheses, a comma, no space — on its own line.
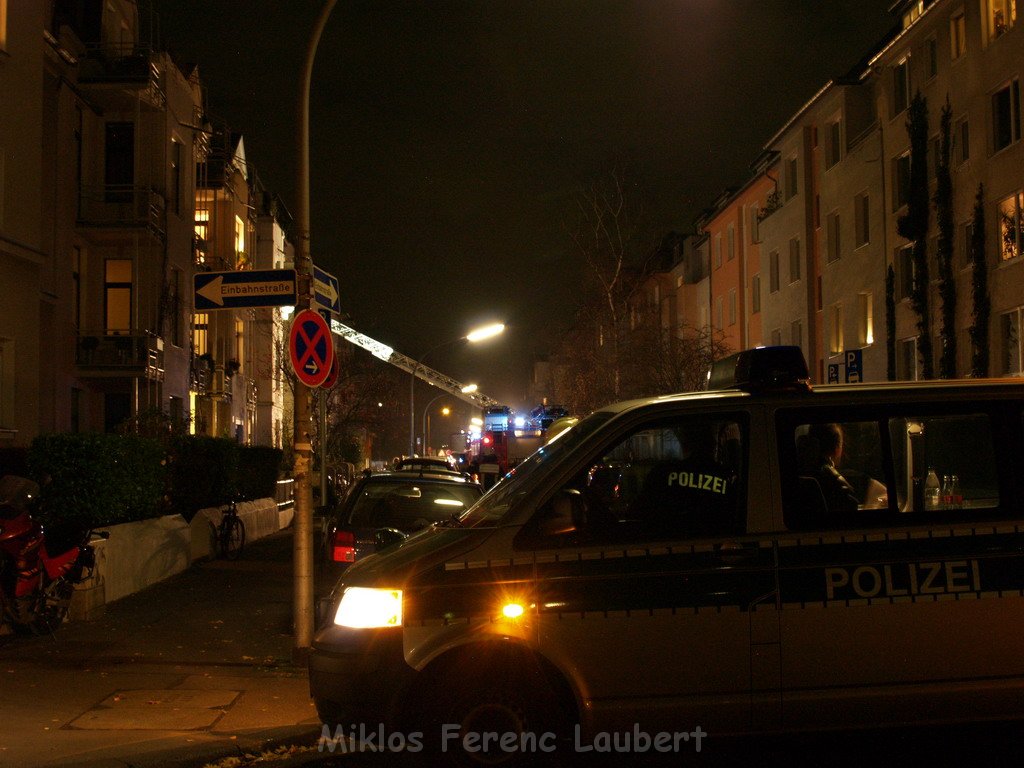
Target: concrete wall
(140,554)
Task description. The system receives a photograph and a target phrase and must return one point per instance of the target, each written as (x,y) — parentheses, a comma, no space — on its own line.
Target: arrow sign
(326,289)
(311,348)
(246,288)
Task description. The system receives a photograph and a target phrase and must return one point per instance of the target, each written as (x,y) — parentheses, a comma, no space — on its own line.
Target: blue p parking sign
(854,365)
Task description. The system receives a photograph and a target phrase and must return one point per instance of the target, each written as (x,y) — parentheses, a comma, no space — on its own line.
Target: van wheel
(473,701)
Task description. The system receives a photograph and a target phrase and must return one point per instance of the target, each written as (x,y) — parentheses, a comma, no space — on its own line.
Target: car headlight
(366,608)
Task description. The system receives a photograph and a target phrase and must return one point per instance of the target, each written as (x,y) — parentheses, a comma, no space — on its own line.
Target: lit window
(1000,16)
(913,13)
(866,331)
(3,25)
(836,335)
(117,294)
(200,333)
(1011,227)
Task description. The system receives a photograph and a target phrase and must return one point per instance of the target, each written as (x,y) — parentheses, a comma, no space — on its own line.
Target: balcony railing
(133,354)
(122,205)
(123,65)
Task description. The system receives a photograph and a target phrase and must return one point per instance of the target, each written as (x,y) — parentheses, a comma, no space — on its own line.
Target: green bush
(210,471)
(91,480)
(258,469)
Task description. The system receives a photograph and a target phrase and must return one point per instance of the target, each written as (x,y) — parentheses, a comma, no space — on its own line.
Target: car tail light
(343,547)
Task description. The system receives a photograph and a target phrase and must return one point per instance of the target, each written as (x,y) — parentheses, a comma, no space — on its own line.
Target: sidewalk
(195,668)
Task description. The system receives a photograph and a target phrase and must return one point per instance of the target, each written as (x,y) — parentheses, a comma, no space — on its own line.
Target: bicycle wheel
(232,537)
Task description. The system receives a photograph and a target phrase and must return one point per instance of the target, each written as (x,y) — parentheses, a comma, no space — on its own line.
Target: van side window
(873,469)
(956,446)
(679,478)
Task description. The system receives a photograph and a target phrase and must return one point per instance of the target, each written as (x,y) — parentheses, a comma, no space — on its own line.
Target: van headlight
(367,608)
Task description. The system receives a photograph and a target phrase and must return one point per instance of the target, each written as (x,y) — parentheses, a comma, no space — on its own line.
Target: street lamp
(474,336)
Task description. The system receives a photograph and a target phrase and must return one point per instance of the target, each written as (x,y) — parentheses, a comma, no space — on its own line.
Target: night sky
(449,139)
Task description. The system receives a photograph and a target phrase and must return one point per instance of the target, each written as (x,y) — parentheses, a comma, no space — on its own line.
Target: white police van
(717,560)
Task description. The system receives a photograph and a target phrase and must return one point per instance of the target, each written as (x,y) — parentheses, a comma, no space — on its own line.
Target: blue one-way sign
(327,290)
(246,288)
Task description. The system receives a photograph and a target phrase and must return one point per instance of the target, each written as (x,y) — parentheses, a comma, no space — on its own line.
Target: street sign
(311,348)
(854,365)
(244,288)
(326,290)
(833,373)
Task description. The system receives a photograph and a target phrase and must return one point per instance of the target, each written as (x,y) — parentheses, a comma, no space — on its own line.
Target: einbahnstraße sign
(246,288)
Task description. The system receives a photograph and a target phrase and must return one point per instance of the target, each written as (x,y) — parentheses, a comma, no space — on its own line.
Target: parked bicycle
(231,534)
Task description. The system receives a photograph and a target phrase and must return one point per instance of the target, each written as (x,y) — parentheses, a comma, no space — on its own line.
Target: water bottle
(947,492)
(957,499)
(932,491)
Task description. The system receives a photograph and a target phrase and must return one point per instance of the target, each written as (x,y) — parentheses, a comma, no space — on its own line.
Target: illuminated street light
(474,336)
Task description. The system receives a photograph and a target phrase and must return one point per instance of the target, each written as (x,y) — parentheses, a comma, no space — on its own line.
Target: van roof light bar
(760,369)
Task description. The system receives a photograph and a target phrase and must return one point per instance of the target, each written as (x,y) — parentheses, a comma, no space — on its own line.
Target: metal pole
(303,534)
(322,402)
(426,419)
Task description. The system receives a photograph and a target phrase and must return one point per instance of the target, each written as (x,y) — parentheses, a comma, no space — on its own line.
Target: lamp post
(426,419)
(303,535)
(474,336)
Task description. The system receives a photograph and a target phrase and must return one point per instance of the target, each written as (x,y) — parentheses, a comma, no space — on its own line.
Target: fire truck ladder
(435,378)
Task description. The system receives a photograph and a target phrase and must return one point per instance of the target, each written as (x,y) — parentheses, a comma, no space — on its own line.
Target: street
(195,668)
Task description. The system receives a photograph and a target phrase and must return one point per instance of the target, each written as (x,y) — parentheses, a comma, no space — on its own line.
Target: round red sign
(311,348)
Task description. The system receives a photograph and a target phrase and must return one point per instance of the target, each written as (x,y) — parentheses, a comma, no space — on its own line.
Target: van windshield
(496,503)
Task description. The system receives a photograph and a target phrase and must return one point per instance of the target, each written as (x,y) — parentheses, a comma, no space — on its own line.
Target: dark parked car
(381,509)
(426,464)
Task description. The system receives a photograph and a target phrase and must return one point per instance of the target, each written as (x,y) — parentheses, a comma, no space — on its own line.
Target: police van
(757,557)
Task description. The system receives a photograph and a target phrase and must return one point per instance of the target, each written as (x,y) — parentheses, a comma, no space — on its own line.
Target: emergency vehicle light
(761,368)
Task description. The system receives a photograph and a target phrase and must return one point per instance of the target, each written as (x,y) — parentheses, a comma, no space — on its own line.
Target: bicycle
(231,534)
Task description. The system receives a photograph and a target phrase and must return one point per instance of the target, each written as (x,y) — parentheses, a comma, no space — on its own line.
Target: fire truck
(508,438)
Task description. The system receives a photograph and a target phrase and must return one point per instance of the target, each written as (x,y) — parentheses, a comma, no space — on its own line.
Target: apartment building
(971,54)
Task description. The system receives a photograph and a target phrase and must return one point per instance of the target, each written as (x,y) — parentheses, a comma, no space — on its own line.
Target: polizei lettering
(902,579)
(697,480)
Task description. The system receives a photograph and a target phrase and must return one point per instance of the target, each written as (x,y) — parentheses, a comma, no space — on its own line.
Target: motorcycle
(35,585)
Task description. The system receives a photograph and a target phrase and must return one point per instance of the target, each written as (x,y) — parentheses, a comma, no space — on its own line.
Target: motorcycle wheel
(52,607)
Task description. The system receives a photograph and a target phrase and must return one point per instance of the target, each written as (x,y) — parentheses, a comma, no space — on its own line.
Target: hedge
(92,480)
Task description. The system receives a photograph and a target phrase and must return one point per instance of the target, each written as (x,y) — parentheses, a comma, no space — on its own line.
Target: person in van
(821,451)
(691,495)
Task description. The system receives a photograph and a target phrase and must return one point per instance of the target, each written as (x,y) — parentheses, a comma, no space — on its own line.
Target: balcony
(122,206)
(117,75)
(772,203)
(138,355)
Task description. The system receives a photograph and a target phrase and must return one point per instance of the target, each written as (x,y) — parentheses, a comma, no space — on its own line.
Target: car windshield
(409,506)
(496,503)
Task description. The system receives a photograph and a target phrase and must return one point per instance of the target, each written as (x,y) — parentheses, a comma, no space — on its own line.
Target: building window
(718,250)
(174,306)
(755,235)
(913,13)
(931,57)
(3,33)
(906,359)
(900,180)
(76,286)
(117,295)
(835,337)
(239,341)
(792,187)
(862,220)
(866,319)
(833,147)
(832,236)
(796,333)
(201,333)
(794,260)
(966,236)
(719,312)
(904,272)
(957,35)
(773,272)
(962,142)
(731,238)
(776,337)
(934,148)
(1011,236)
(755,294)
(241,259)
(119,162)
(1009,343)
(1006,116)
(732,306)
(901,86)
(1000,16)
